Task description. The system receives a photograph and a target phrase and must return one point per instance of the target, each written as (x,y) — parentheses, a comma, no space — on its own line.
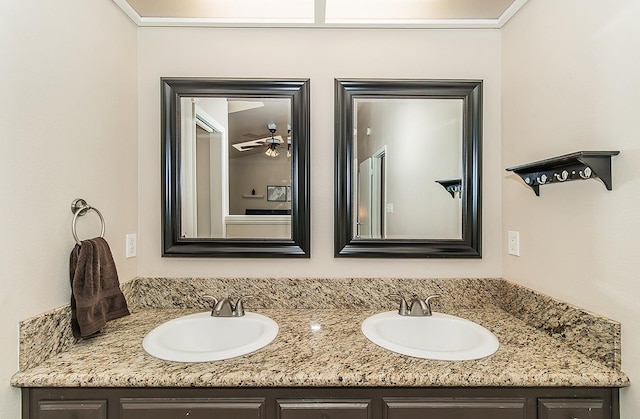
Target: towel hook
(79,207)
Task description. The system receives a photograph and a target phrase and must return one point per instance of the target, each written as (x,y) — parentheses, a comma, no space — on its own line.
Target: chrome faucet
(417,306)
(225,308)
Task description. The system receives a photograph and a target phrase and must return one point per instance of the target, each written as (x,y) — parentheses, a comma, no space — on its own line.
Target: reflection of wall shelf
(253,196)
(574,166)
(453,186)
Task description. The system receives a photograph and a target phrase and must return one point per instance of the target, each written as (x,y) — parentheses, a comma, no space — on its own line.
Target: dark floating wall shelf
(453,186)
(574,166)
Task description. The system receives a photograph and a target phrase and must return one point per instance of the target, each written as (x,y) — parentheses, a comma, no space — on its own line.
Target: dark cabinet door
(324,409)
(454,408)
(572,409)
(72,409)
(131,408)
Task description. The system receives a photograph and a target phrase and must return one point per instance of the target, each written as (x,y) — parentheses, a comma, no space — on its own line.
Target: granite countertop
(336,355)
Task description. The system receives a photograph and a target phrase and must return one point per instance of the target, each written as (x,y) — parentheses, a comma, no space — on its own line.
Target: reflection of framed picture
(276,193)
(288,193)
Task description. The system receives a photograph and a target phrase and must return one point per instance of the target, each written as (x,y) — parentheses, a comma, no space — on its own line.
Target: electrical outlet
(131,246)
(514,243)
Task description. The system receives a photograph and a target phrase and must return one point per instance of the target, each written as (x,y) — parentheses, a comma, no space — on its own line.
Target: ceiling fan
(271,143)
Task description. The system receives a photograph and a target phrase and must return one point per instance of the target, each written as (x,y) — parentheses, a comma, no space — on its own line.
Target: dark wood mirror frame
(470,91)
(175,246)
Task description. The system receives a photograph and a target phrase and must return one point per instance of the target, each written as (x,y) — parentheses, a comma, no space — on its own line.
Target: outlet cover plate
(131,248)
(514,243)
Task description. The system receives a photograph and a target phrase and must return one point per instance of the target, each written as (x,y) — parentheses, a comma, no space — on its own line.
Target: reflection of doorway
(378,194)
(211,176)
(364,200)
(208,183)
(203,168)
(372,196)
(204,177)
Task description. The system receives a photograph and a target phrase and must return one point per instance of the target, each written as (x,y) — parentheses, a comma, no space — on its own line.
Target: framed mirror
(408,168)
(235,167)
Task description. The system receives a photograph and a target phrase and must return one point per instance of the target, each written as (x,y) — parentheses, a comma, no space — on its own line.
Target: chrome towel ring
(79,207)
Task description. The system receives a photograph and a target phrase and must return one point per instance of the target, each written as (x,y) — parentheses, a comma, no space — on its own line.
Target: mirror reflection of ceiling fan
(270,143)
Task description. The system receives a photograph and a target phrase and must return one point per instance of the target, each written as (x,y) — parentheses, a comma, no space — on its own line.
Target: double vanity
(553,360)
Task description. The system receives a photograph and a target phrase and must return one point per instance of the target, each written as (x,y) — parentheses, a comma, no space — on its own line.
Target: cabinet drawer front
(324,409)
(77,409)
(192,408)
(458,408)
(572,409)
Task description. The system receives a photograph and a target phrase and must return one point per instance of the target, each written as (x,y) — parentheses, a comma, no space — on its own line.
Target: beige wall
(68,129)
(321,56)
(257,171)
(570,82)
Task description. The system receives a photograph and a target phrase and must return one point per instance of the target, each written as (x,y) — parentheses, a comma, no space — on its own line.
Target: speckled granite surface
(44,336)
(336,355)
(50,333)
(595,336)
(317,293)
(544,342)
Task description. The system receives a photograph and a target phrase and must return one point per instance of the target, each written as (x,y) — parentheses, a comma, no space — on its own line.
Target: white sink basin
(201,337)
(440,336)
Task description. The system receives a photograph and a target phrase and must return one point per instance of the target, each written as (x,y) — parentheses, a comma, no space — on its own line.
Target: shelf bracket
(453,186)
(601,168)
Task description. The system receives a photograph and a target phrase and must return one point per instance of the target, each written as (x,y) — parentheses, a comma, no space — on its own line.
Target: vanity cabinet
(321,403)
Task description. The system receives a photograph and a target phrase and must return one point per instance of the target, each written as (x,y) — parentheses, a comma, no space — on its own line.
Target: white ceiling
(323,13)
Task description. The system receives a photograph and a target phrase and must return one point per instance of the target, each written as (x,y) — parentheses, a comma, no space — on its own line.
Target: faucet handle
(427,302)
(403,310)
(213,299)
(239,310)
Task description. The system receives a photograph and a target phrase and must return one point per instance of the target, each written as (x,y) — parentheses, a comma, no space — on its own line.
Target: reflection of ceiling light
(272,143)
(272,150)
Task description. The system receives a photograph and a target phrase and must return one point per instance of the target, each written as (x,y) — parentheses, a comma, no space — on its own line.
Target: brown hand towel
(95,289)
